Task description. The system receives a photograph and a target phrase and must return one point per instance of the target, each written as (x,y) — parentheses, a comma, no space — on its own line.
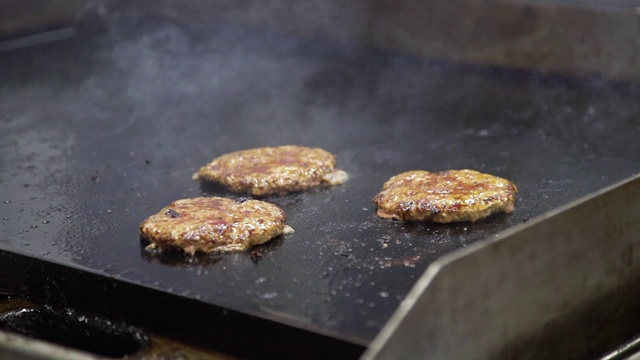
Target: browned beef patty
(214,224)
(444,197)
(273,170)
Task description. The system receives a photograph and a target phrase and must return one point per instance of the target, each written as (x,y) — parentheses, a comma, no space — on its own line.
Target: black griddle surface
(99,132)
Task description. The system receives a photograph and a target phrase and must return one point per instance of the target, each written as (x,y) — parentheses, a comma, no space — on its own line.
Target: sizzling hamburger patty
(444,197)
(214,224)
(273,170)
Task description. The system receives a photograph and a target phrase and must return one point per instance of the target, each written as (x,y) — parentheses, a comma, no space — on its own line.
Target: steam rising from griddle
(278,88)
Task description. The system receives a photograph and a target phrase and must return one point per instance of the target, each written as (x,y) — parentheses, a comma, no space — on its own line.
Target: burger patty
(444,197)
(273,170)
(214,224)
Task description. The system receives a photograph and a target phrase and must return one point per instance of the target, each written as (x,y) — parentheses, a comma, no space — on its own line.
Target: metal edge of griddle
(19,347)
(628,350)
(182,319)
(533,291)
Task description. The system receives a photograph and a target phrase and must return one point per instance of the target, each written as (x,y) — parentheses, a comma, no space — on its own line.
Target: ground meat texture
(273,170)
(444,197)
(214,224)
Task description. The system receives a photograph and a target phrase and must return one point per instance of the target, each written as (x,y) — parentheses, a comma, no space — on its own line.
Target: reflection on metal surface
(629,350)
(534,291)
(18,347)
(35,39)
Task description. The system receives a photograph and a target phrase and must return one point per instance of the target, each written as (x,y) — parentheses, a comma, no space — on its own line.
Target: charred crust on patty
(273,170)
(213,225)
(444,197)
(173,213)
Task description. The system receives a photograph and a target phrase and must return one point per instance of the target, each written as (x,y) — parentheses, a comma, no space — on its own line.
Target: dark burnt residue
(77,330)
(407,205)
(242,199)
(256,256)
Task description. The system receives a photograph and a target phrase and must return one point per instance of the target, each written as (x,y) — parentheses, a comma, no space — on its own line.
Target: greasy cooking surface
(444,197)
(100,132)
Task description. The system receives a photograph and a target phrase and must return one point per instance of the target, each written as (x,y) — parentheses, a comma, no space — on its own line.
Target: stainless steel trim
(500,296)
(19,347)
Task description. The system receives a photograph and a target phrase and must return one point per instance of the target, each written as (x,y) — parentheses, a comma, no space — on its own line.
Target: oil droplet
(384,294)
(46,221)
(269,295)
(5,218)
(7,201)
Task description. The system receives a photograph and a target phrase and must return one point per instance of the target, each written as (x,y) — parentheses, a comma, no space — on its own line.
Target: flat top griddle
(103,130)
